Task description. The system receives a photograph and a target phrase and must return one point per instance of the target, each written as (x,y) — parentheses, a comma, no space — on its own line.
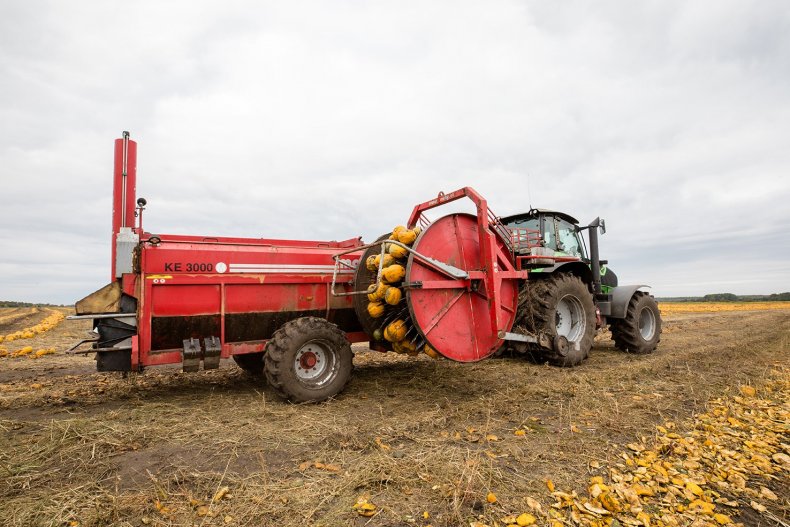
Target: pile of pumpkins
(385,297)
(54,318)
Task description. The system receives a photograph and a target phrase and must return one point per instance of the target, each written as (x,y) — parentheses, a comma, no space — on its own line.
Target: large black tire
(640,331)
(308,360)
(560,304)
(252,363)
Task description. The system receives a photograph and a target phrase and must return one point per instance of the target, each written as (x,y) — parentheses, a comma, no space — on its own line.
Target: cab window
(568,239)
(524,223)
(549,233)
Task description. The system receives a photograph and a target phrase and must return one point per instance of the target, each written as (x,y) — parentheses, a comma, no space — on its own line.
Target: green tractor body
(572,292)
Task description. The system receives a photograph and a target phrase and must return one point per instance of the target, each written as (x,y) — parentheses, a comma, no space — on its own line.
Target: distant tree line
(730,297)
(12,303)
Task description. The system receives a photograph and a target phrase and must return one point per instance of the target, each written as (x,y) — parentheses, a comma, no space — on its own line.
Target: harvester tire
(251,363)
(640,331)
(559,305)
(308,360)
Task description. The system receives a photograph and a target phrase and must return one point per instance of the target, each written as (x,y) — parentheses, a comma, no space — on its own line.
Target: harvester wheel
(640,331)
(308,359)
(559,306)
(252,363)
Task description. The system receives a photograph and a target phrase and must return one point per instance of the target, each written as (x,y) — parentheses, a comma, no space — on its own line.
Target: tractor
(461,286)
(571,292)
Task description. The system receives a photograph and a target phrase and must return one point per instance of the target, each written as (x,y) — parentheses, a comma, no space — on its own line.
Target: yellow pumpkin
(395,331)
(370,263)
(396,231)
(392,296)
(376,291)
(397,251)
(375,309)
(388,260)
(432,353)
(408,346)
(372,292)
(394,273)
(407,236)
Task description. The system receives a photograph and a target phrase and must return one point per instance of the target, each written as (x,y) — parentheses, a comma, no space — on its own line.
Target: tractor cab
(553,230)
(558,236)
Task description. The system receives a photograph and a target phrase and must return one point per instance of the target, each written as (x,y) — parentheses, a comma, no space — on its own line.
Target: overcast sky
(329,120)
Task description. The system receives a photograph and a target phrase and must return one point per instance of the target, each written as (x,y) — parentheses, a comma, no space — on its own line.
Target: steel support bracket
(517,337)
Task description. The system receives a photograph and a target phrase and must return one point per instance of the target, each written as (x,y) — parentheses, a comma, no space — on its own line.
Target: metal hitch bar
(444,268)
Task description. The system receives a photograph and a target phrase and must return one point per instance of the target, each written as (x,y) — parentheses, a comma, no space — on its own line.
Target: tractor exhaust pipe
(595,259)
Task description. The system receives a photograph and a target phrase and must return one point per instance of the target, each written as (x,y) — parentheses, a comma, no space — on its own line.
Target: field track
(419,442)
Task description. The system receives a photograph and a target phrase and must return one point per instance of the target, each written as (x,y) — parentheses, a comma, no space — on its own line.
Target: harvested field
(716,307)
(410,441)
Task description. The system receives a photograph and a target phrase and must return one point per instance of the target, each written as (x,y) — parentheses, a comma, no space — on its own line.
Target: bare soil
(412,435)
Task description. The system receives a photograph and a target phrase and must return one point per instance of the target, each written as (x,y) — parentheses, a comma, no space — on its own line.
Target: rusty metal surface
(169,332)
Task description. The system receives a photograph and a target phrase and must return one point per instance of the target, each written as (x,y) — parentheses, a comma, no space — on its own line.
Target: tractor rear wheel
(640,331)
(560,305)
(308,359)
(252,363)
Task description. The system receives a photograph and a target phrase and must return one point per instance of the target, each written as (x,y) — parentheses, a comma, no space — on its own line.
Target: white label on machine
(287,268)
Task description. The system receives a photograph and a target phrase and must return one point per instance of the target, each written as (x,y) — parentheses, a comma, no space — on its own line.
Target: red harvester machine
(290,309)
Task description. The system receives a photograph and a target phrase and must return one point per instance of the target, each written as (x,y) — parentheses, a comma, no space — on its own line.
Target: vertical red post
(124,191)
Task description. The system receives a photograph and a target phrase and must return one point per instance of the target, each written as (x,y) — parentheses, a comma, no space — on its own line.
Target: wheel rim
(315,363)
(647,324)
(570,320)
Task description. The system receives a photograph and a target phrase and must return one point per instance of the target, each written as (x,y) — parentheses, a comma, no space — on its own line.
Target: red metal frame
(225,278)
(493,259)
(166,287)
(123,191)
(496,265)
(522,239)
(179,275)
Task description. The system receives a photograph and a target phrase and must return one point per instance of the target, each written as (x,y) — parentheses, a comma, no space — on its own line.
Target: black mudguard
(621,296)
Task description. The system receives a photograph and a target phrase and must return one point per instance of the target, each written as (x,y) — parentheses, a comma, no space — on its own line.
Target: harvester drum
(460,286)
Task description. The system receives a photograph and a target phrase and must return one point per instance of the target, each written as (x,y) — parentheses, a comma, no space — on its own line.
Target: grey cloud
(299,119)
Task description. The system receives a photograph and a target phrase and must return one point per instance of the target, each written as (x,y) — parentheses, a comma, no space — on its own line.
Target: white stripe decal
(296,269)
(288,268)
(284,266)
(287,271)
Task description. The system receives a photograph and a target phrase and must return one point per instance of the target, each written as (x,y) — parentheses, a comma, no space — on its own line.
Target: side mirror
(597,223)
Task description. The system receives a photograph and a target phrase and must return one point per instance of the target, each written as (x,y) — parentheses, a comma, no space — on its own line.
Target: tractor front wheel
(560,306)
(640,331)
(308,360)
